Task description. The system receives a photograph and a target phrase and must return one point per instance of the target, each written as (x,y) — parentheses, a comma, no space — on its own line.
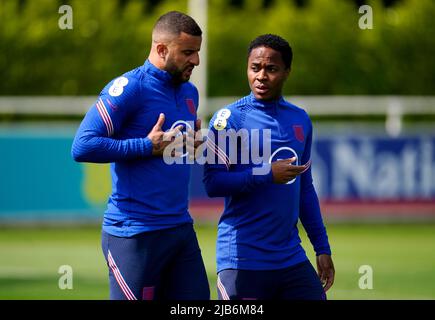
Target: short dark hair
(175,22)
(276,43)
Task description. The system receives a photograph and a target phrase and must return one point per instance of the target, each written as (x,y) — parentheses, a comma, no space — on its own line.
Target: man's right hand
(283,171)
(161,139)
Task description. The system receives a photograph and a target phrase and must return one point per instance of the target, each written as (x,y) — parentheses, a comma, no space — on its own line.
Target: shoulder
(229,117)
(233,110)
(301,113)
(125,85)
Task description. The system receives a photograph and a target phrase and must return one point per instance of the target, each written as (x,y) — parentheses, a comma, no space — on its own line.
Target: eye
(254,68)
(188,52)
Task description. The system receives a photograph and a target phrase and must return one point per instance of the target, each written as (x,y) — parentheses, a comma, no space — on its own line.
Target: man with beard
(148,238)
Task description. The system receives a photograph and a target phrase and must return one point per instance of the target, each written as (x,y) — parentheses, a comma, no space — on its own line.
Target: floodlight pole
(198,11)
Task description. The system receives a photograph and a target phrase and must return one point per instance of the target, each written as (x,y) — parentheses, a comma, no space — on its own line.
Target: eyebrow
(189,49)
(267,64)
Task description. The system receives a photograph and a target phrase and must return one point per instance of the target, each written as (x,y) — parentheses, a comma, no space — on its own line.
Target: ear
(287,71)
(162,50)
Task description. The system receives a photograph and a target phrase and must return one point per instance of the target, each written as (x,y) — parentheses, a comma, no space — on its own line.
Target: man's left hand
(326,271)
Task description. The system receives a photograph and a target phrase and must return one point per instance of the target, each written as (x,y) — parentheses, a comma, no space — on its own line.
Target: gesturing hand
(161,139)
(194,139)
(283,171)
(326,271)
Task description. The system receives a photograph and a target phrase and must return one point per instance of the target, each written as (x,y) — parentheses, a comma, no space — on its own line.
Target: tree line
(332,55)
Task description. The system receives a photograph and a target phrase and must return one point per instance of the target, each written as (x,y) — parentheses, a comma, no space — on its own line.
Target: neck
(156,60)
(269,100)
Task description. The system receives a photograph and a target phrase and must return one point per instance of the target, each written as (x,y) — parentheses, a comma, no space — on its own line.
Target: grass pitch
(401,256)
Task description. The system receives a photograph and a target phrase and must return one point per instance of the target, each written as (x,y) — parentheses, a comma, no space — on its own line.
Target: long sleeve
(220,179)
(95,140)
(310,214)
(221,183)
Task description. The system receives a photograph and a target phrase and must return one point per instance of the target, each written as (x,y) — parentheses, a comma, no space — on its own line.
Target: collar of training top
(162,75)
(265,104)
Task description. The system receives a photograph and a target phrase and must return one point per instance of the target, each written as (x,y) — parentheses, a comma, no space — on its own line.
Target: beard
(176,73)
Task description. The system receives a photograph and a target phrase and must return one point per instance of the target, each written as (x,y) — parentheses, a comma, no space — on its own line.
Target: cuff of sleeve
(147,147)
(323,250)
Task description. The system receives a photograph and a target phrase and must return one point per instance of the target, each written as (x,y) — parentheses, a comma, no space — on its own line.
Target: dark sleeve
(219,179)
(310,214)
(95,140)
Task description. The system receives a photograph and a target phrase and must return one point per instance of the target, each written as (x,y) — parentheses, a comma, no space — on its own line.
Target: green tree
(331,54)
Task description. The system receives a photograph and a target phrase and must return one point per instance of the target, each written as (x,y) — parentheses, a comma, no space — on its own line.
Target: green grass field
(402,257)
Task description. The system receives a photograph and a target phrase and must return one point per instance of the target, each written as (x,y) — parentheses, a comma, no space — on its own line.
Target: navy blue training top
(147,194)
(258,228)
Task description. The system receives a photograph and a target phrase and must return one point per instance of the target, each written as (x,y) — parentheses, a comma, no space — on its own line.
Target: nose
(261,75)
(195,59)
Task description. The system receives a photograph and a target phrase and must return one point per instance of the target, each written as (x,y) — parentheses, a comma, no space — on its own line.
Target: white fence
(394,107)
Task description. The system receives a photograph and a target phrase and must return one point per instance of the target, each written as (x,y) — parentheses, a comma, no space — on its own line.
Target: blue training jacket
(258,228)
(147,194)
